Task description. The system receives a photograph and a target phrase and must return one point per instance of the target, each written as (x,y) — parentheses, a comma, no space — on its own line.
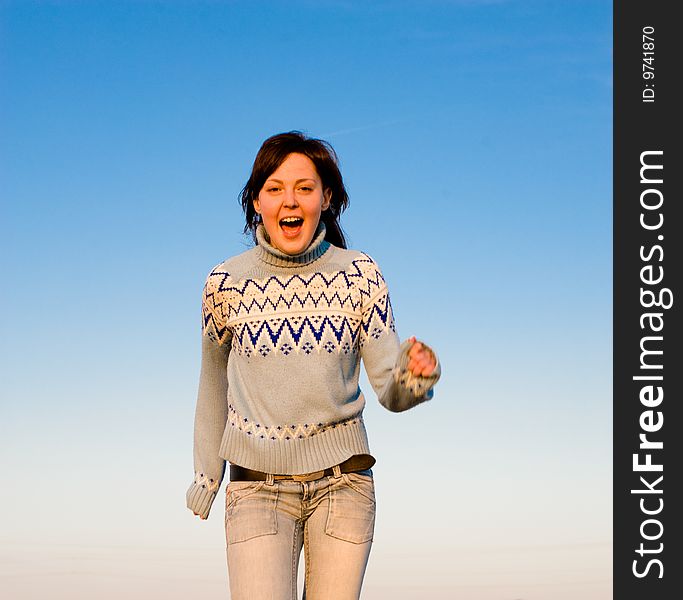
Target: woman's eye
(305,188)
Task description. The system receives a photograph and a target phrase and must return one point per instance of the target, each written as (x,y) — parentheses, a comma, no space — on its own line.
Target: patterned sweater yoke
(282,340)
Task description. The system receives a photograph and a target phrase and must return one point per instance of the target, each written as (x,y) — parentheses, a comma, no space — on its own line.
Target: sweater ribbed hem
(200,499)
(296,456)
(271,255)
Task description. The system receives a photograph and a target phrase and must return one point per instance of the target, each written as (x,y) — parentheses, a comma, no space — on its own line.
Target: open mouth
(291,225)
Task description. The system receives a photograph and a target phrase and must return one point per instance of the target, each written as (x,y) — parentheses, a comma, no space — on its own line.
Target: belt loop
(270,479)
(337,471)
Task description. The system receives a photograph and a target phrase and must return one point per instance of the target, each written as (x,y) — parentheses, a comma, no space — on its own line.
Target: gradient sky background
(475,140)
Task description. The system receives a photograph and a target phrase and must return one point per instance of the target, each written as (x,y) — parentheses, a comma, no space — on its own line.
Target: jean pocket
(362,482)
(250,510)
(351,508)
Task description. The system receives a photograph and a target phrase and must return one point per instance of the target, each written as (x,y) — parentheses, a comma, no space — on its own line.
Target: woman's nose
(290,198)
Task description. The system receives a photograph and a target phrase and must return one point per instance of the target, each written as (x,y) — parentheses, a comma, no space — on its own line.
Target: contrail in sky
(363,128)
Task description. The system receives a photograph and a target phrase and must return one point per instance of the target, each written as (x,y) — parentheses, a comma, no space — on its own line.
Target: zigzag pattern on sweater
(277,433)
(297,333)
(308,333)
(293,302)
(301,313)
(359,269)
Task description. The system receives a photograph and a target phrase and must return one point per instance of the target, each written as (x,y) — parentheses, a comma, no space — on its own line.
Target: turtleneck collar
(273,256)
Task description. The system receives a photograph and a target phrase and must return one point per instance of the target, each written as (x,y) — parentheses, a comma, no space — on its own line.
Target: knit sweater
(282,339)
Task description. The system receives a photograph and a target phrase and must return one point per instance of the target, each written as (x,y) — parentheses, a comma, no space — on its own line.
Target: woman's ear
(327,198)
(257,204)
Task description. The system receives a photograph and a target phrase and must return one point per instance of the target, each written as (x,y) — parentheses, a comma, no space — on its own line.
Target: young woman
(285,325)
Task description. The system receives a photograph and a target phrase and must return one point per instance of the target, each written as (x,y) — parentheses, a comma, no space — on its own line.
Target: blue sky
(475,142)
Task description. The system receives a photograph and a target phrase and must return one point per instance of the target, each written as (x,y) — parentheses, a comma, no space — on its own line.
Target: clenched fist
(422,361)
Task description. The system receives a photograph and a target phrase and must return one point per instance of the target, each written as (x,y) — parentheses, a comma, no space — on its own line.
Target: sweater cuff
(201,494)
(418,385)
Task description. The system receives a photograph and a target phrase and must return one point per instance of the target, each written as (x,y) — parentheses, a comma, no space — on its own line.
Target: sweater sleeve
(385,359)
(212,406)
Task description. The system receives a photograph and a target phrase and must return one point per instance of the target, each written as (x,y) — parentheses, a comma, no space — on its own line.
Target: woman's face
(290,203)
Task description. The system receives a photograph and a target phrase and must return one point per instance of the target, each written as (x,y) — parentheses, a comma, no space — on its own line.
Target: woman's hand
(198,515)
(422,361)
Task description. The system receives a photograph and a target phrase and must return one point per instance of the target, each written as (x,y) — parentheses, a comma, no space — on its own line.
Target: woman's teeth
(291,222)
(291,226)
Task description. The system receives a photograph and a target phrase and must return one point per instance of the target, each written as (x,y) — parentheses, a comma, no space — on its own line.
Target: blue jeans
(268,522)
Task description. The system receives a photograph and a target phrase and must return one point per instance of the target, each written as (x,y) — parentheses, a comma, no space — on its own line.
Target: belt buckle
(308,476)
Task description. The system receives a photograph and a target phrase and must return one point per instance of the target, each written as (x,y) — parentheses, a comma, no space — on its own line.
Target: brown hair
(272,154)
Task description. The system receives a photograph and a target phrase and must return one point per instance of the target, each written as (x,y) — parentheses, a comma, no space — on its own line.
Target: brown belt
(359,462)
